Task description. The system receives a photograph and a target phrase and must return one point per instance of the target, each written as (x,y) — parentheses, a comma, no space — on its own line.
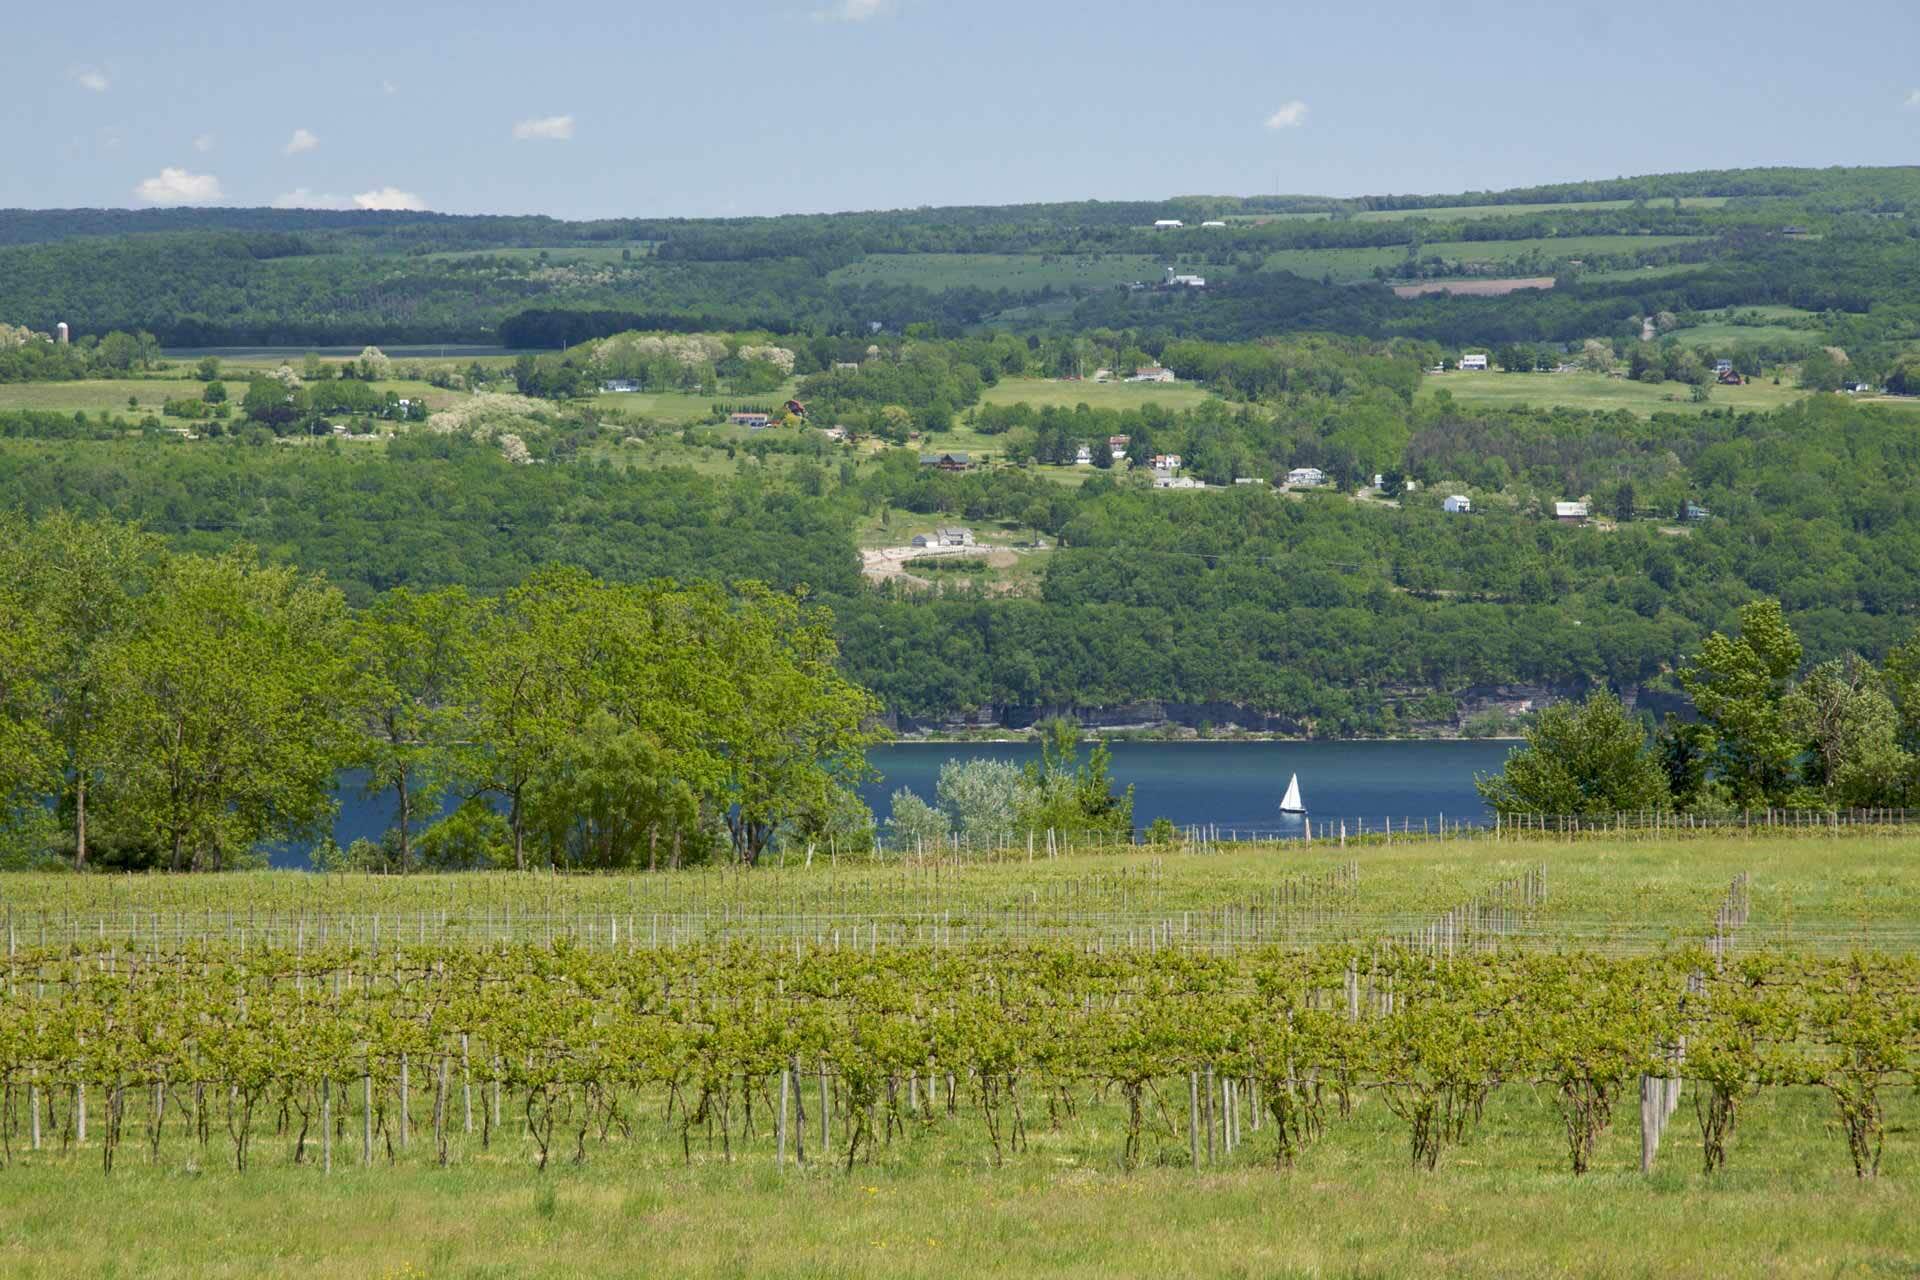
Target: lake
(1234,785)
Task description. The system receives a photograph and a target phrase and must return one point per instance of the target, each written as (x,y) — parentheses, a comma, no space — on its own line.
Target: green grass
(684,406)
(1733,335)
(931,1206)
(1600,392)
(1015,272)
(1041,393)
(1349,265)
(97,395)
(1476,211)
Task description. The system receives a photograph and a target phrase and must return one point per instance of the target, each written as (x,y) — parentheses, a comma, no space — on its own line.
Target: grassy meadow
(1020,272)
(1044,392)
(1348,266)
(1599,392)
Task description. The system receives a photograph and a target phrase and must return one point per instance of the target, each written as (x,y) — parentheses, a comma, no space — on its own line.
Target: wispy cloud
(854,11)
(92,78)
(389,198)
(1913,100)
(177,186)
(1291,115)
(203,143)
(544,129)
(302,140)
(388,86)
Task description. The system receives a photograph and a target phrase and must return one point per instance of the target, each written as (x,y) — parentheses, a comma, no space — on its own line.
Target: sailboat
(1292,803)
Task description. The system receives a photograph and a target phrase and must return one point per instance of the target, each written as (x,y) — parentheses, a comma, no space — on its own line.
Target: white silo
(61,333)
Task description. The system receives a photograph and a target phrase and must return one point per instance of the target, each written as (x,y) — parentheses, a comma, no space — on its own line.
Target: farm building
(1167,480)
(1457,503)
(1694,513)
(1153,373)
(1249,479)
(619,385)
(62,334)
(846,366)
(1167,224)
(1306,477)
(953,535)
(1213,222)
(1083,456)
(1571,512)
(1187,281)
(1117,446)
(755,420)
(946,461)
(1477,361)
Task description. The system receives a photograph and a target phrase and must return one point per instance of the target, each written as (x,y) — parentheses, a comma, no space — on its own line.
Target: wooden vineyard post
(466,1083)
(366,1115)
(780,1151)
(405,1110)
(1649,1124)
(1193,1117)
(326,1124)
(799,1113)
(826,1116)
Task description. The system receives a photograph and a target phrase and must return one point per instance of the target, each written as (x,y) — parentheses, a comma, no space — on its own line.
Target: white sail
(1292,803)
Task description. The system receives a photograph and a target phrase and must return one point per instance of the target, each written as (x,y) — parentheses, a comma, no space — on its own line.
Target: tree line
(180,711)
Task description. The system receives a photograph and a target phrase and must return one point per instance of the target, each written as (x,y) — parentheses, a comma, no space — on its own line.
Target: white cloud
(302,140)
(388,198)
(544,129)
(388,86)
(1913,100)
(203,143)
(301,198)
(1291,115)
(854,11)
(92,78)
(177,186)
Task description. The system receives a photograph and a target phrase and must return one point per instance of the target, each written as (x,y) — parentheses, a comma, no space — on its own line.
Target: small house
(1165,462)
(1722,366)
(1457,503)
(835,433)
(1731,378)
(1306,477)
(754,421)
(1571,512)
(953,536)
(614,386)
(846,366)
(1477,361)
(1694,513)
(1213,222)
(1152,373)
(1117,446)
(924,540)
(1102,375)
(1187,281)
(1083,456)
(1167,480)
(946,461)
(1167,224)
(1249,479)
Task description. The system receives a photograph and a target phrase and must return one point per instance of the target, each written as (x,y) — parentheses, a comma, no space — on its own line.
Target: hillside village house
(612,385)
(1213,222)
(1083,456)
(755,420)
(1570,512)
(1306,477)
(1167,224)
(1152,373)
(1472,362)
(1167,480)
(1191,282)
(1457,503)
(953,536)
(1165,462)
(1117,446)
(946,461)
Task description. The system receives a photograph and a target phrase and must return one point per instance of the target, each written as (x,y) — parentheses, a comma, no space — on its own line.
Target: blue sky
(715,107)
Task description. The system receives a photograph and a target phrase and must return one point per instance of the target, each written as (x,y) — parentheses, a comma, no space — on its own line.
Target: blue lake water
(1234,785)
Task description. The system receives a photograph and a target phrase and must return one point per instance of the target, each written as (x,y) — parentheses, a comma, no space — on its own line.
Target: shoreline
(1112,738)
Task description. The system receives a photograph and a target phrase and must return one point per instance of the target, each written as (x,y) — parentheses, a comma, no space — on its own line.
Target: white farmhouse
(1167,224)
(1472,362)
(1306,477)
(1457,503)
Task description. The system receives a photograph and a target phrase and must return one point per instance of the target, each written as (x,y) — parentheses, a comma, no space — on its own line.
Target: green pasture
(1599,392)
(1733,335)
(1349,265)
(1015,272)
(1469,212)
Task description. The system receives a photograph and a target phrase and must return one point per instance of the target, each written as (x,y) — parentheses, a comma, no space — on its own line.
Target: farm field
(1727,336)
(109,395)
(1473,211)
(1042,392)
(932,1066)
(1350,265)
(1600,392)
(1014,271)
(682,406)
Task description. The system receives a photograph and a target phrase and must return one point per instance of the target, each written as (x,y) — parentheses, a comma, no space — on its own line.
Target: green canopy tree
(411,657)
(1842,711)
(1578,759)
(1739,684)
(224,710)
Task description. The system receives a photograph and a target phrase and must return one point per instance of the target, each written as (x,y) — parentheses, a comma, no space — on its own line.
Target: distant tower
(61,333)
